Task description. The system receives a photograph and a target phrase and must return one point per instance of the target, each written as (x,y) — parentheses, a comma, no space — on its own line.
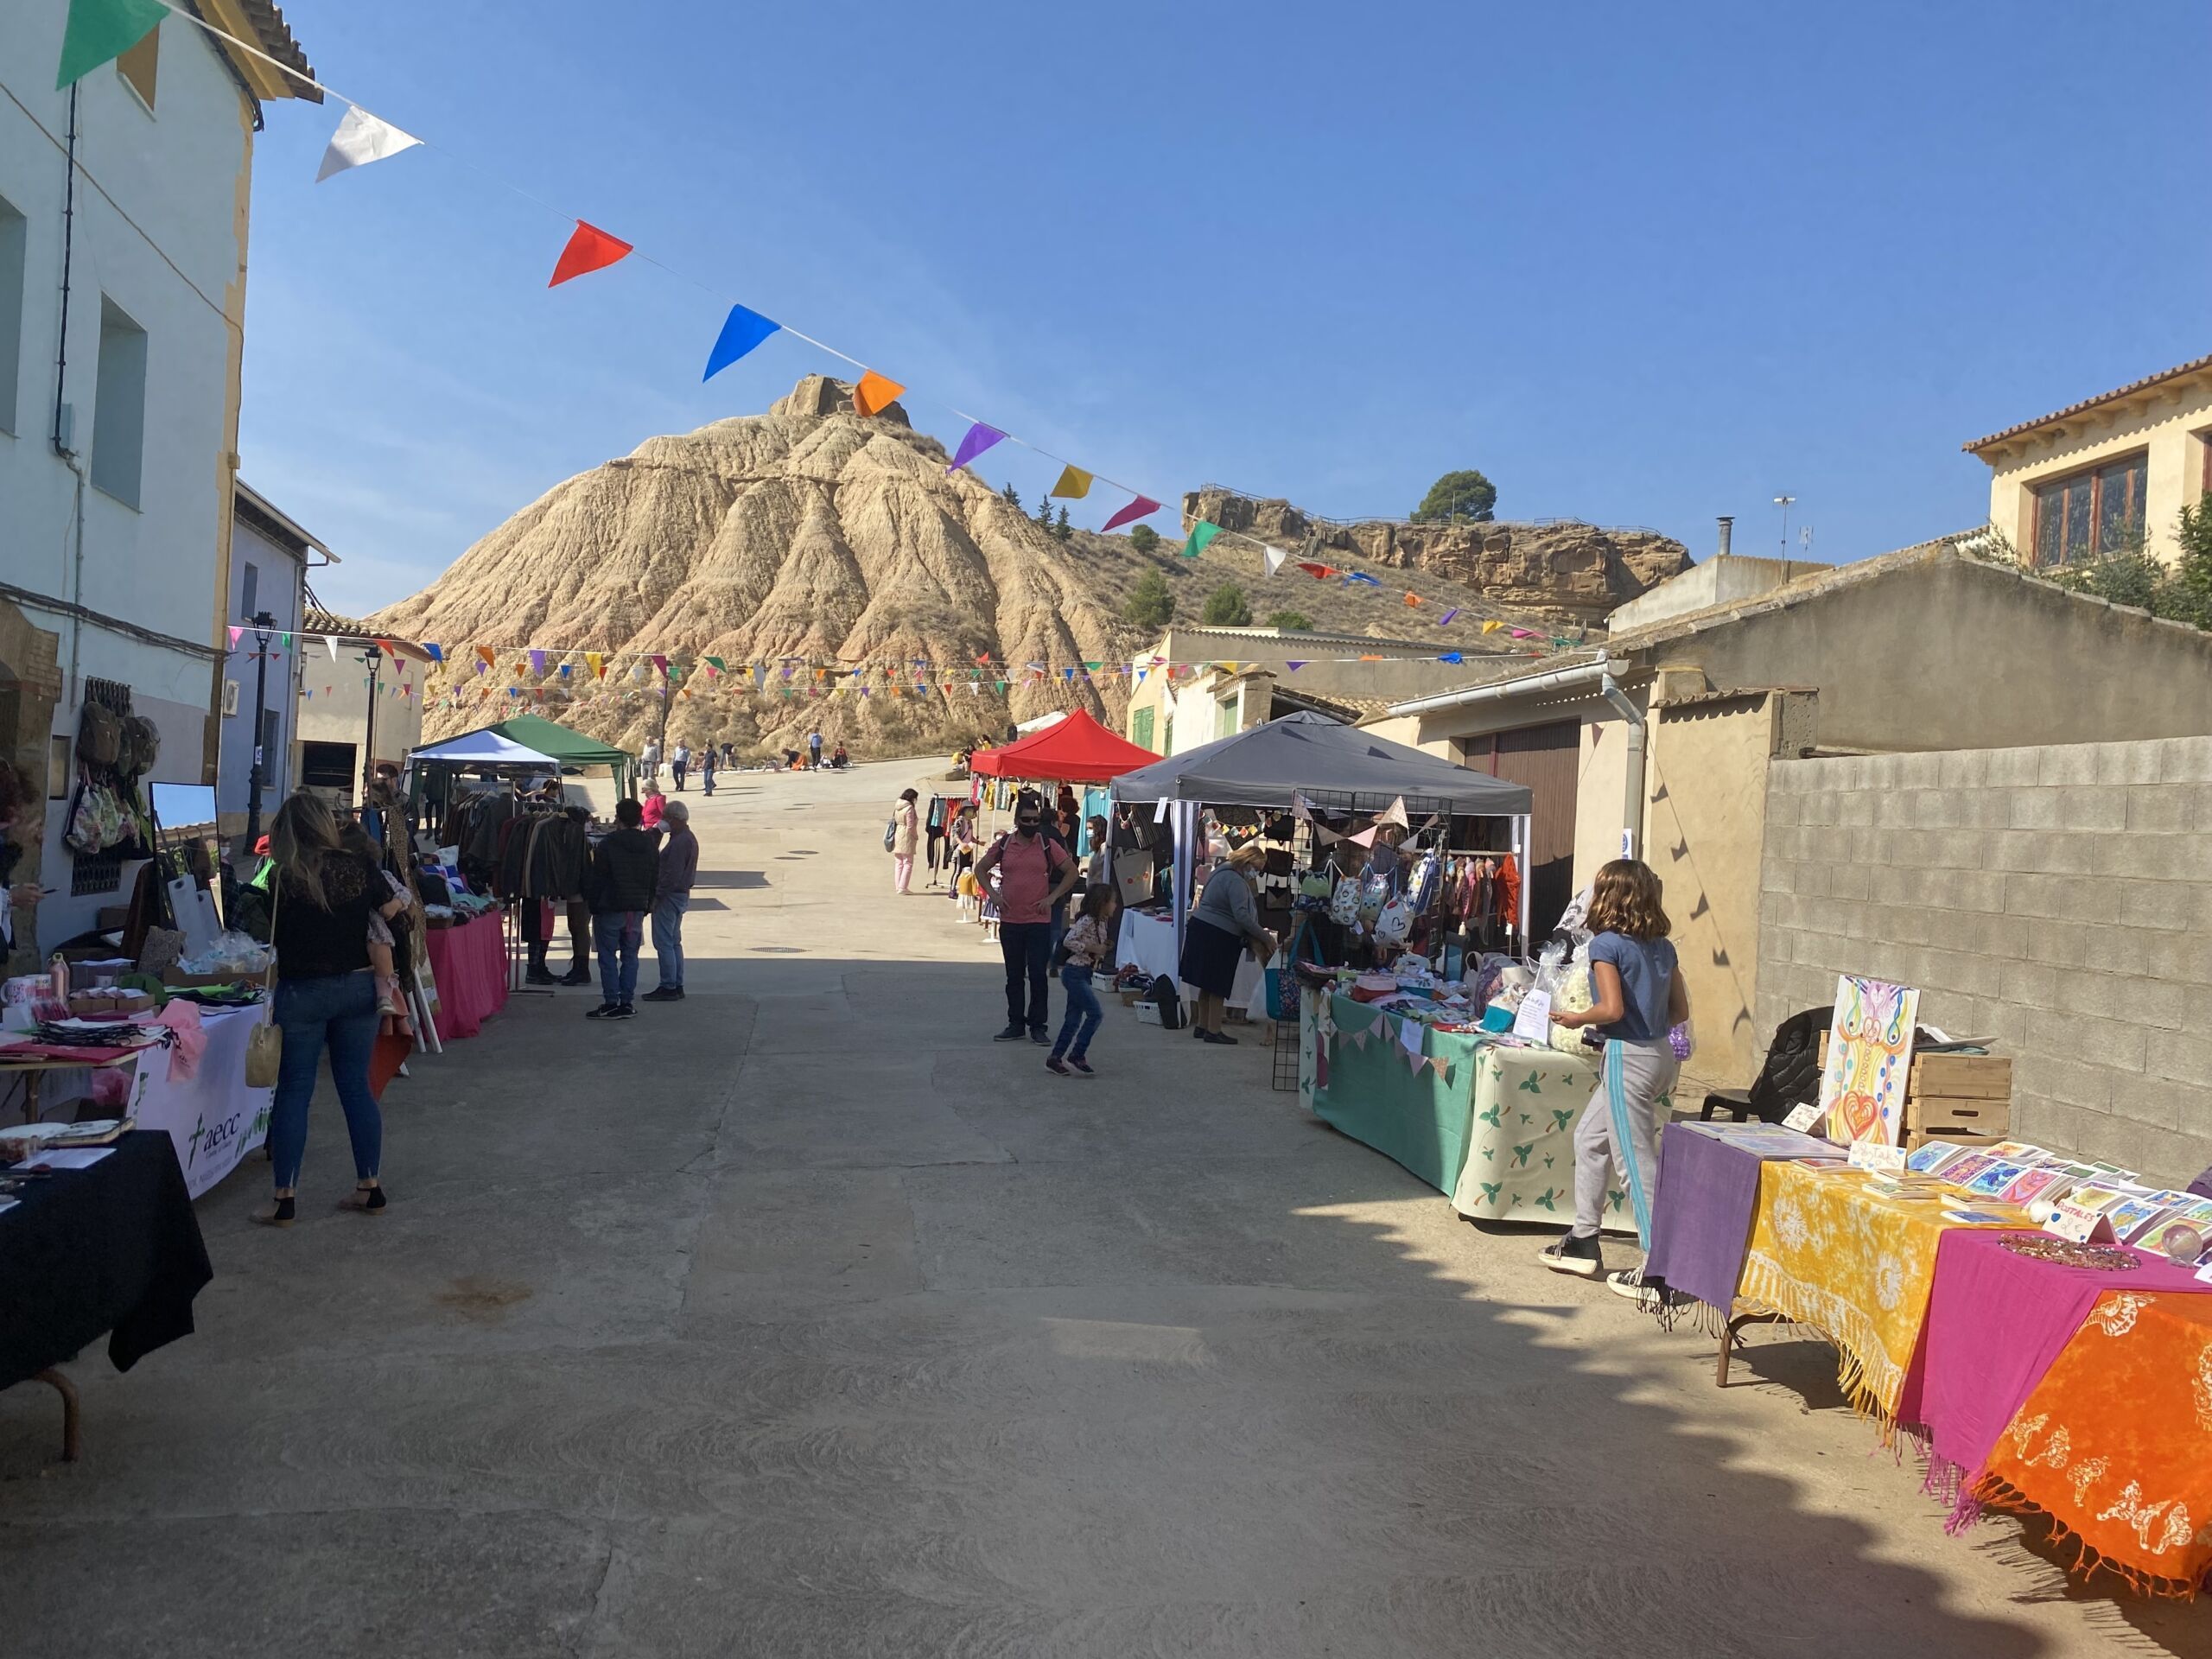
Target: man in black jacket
(624,872)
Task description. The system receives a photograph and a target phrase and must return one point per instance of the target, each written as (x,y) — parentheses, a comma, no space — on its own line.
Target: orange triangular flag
(1413,599)
(873,392)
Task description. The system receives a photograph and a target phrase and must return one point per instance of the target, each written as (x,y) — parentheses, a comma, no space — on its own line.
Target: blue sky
(1641,265)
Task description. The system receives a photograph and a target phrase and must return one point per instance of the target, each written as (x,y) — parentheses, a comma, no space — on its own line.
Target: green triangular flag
(100,29)
(720,666)
(1204,532)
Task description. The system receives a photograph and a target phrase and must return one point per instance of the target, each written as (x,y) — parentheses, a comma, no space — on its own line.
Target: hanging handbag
(264,1044)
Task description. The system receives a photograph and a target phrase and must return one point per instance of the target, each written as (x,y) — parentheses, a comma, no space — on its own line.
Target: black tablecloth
(114,1248)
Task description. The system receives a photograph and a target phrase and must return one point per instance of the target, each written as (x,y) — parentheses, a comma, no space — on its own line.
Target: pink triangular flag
(1142,507)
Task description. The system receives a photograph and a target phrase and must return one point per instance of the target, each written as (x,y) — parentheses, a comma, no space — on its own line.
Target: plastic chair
(1790,1076)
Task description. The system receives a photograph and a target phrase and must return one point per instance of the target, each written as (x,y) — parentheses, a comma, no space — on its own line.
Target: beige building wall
(1601,793)
(2169,421)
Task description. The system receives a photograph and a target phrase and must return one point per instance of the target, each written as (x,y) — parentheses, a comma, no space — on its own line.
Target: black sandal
(369,1200)
(282,1212)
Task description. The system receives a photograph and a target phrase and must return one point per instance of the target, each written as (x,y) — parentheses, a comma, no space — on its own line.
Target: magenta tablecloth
(470,965)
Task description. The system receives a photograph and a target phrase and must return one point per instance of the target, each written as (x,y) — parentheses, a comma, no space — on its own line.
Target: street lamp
(373,656)
(1784,501)
(263,622)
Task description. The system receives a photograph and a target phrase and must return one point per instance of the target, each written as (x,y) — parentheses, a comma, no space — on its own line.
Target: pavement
(800,1319)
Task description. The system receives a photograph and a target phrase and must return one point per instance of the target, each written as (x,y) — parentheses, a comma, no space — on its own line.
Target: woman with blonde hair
(325,893)
(1225,920)
(1639,994)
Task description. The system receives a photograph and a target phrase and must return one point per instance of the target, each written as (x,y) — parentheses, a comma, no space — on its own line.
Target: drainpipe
(1632,803)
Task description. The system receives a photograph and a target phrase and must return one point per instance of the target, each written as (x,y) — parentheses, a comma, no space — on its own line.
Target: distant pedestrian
(706,769)
(649,762)
(679,762)
(679,868)
(624,874)
(905,831)
(1034,874)
(654,804)
(814,747)
(1090,944)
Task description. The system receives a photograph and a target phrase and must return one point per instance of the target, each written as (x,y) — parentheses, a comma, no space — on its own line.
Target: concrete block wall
(2058,900)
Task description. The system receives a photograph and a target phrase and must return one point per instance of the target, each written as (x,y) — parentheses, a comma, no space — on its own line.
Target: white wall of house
(161,242)
(334,707)
(273,573)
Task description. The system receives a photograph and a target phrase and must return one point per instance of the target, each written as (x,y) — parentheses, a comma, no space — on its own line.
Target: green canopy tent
(556,742)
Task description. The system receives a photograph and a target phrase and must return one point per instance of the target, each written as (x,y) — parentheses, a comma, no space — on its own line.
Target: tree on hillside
(1151,605)
(1061,528)
(1465,496)
(1227,607)
(1144,538)
(1044,513)
(1013,495)
(1295,621)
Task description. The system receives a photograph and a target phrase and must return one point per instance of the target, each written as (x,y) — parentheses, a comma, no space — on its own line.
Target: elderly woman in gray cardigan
(1225,920)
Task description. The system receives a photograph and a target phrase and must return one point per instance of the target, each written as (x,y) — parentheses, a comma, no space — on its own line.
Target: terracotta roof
(2129,389)
(315,620)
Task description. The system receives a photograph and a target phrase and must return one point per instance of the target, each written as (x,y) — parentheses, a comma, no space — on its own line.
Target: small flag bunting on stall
(1201,533)
(362,138)
(1143,507)
(1074,483)
(589,249)
(980,437)
(874,393)
(742,331)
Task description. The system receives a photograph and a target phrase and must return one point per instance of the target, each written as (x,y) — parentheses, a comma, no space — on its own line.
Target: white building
(124,213)
(270,556)
(360,703)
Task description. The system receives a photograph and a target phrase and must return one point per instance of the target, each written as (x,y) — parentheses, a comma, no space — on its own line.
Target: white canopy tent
(486,748)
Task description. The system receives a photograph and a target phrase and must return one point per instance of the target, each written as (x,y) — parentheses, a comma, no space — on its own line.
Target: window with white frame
(119,405)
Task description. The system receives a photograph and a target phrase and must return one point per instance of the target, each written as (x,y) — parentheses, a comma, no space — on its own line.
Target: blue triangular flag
(742,331)
(1451,657)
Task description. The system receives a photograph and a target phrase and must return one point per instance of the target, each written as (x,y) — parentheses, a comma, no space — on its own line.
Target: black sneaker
(1081,1065)
(664,993)
(1628,1282)
(1011,1034)
(622,1011)
(539,976)
(604,1011)
(1039,1036)
(576,976)
(1579,1257)
(1057,1067)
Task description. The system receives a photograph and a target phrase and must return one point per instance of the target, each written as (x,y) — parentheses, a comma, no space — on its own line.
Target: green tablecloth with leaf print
(1495,1130)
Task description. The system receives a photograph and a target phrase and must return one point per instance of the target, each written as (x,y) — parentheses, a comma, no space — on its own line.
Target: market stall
(469,965)
(203,1105)
(1488,1122)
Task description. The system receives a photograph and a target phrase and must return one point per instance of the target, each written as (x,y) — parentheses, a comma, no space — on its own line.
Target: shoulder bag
(264,1044)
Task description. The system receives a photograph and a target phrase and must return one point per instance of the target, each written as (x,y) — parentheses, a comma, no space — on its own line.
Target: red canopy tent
(1076,750)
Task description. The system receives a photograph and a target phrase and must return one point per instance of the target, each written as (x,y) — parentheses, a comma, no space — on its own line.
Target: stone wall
(2058,900)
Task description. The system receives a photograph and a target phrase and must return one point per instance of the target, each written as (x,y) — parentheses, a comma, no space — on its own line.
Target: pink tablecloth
(470,965)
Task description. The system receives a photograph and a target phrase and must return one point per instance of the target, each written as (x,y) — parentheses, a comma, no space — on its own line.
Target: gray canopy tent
(1326,762)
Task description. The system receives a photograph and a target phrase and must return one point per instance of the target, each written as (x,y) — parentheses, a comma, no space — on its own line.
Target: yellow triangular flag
(596,662)
(1492,627)
(1074,484)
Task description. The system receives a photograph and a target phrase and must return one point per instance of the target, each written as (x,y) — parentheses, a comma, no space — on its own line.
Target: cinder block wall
(2058,900)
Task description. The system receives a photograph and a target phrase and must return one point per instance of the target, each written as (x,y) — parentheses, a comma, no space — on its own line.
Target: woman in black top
(326,994)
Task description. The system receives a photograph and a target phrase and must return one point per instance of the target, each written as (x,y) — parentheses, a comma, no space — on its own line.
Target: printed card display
(1960,1171)
(2020,1152)
(1990,1182)
(2132,1216)
(2033,1183)
(1929,1157)
(1981,1217)
(2197,1215)
(1803,1117)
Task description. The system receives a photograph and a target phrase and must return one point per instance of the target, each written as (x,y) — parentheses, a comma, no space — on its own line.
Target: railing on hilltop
(1354,524)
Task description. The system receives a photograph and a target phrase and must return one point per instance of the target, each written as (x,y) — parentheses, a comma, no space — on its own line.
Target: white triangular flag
(362,138)
(331,639)
(1299,810)
(1395,813)
(1273,558)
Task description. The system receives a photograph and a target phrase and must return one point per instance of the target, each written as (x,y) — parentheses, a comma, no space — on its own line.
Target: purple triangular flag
(1445,620)
(980,438)
(1294,667)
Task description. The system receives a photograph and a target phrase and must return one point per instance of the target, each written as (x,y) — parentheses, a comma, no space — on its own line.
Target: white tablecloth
(1149,941)
(213,1117)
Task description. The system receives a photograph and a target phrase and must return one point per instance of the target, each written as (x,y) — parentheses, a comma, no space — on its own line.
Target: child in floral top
(1089,943)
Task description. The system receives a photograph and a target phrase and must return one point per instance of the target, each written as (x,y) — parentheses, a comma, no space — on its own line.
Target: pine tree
(1062,529)
(1044,513)
(1012,495)
(1151,605)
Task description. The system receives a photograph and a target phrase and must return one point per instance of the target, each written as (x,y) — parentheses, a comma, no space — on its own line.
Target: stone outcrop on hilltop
(811,537)
(1563,570)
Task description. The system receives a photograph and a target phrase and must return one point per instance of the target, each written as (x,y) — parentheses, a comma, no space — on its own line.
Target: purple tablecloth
(1701,1210)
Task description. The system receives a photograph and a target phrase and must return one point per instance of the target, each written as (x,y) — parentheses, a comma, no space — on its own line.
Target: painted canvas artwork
(1870,1060)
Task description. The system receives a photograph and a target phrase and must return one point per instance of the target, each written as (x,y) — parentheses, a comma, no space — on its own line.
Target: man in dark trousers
(1034,874)
(679,868)
(625,871)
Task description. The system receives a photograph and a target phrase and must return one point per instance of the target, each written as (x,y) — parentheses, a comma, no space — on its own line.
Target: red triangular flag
(1143,507)
(1318,572)
(589,248)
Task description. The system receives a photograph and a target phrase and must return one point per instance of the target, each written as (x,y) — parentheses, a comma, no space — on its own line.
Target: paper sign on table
(1803,1117)
(2081,1224)
(1872,1154)
(1533,1023)
(69,1158)
(1410,1032)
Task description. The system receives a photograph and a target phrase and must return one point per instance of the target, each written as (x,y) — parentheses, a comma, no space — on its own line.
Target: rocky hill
(1563,570)
(814,534)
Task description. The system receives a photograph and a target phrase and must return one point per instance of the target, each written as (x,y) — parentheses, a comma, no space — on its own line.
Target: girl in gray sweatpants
(1638,995)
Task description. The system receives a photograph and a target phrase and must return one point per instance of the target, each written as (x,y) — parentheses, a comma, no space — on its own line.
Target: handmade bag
(1394,922)
(99,735)
(1343,908)
(264,1044)
(891,832)
(138,746)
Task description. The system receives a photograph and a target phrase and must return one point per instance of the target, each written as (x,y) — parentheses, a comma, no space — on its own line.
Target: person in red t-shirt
(1035,873)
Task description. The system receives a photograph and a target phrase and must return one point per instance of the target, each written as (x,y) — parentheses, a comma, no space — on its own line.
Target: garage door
(1546,759)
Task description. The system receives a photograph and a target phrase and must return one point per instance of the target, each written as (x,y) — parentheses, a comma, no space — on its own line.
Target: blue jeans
(1026,948)
(1081,1021)
(667,938)
(620,932)
(339,1010)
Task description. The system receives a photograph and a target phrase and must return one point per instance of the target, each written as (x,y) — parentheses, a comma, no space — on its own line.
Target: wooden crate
(1963,1077)
(1947,1118)
(1916,1138)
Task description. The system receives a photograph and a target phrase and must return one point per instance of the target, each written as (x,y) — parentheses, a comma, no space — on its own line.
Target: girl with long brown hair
(1638,995)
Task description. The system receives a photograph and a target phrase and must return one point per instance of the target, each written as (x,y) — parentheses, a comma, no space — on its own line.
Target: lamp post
(373,656)
(263,622)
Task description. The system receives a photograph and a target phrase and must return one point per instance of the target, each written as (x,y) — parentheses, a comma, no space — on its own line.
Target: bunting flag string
(99,30)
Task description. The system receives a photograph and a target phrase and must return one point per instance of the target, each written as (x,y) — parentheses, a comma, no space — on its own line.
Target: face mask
(1025,826)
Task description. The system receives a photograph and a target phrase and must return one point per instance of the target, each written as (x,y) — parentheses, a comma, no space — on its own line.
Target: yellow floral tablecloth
(1855,1267)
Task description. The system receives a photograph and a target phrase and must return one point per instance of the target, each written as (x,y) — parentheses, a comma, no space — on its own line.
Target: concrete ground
(799,1319)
